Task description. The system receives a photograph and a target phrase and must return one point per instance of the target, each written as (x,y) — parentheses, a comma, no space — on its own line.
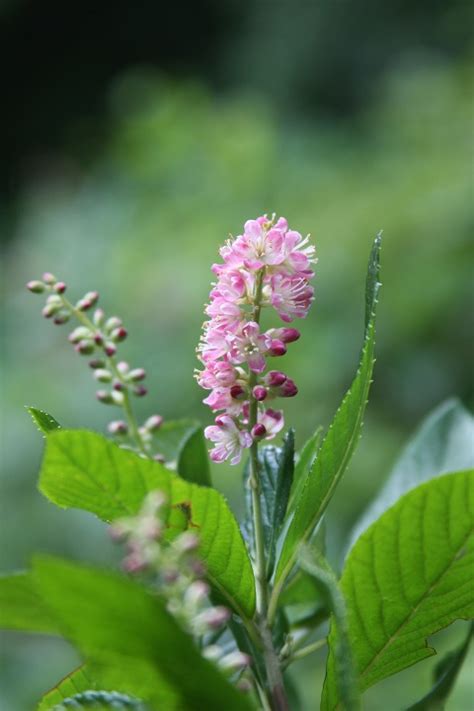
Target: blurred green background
(136,139)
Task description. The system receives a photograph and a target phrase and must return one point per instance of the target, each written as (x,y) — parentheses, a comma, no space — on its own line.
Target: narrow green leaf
(193,459)
(446,672)
(316,565)
(339,443)
(171,435)
(408,576)
(115,621)
(21,608)
(44,422)
(84,470)
(442,444)
(303,464)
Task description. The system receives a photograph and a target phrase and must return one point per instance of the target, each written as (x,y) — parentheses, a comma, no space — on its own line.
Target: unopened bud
(85,347)
(117,397)
(98,317)
(50,309)
(259,393)
(274,378)
(119,334)
(35,286)
(258,431)
(213,618)
(118,386)
(98,339)
(60,287)
(136,374)
(110,349)
(186,542)
(213,652)
(87,301)
(288,335)
(196,593)
(288,389)
(235,661)
(237,392)
(79,334)
(105,397)
(103,375)
(153,423)
(96,363)
(49,278)
(277,348)
(61,317)
(140,391)
(112,323)
(123,367)
(117,427)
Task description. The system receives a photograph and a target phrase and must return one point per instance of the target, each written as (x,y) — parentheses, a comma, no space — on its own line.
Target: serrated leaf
(193,459)
(339,443)
(21,608)
(113,620)
(99,701)
(76,682)
(442,444)
(83,470)
(408,576)
(445,675)
(345,679)
(170,436)
(43,421)
(303,464)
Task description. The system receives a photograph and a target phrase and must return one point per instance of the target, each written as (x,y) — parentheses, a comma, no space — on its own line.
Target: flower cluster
(269,265)
(99,336)
(178,577)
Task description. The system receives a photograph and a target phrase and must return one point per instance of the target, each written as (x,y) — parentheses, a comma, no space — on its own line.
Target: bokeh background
(135,137)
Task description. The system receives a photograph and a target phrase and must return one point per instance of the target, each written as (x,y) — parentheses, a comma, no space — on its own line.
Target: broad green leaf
(44,422)
(171,435)
(115,621)
(21,608)
(446,672)
(345,679)
(408,576)
(276,465)
(339,443)
(303,464)
(193,459)
(443,443)
(84,470)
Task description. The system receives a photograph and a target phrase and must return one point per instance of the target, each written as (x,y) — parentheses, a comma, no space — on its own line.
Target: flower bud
(196,593)
(258,431)
(117,427)
(60,287)
(79,333)
(235,661)
(96,363)
(274,378)
(276,348)
(35,286)
(118,386)
(288,389)
(85,347)
(61,317)
(105,397)
(237,392)
(136,374)
(112,323)
(98,317)
(140,391)
(123,367)
(213,618)
(119,334)
(98,339)
(213,652)
(49,278)
(287,335)
(110,349)
(186,542)
(117,398)
(103,375)
(259,393)
(153,423)
(87,301)
(50,309)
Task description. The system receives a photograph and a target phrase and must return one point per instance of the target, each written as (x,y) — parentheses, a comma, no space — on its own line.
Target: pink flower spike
(228,439)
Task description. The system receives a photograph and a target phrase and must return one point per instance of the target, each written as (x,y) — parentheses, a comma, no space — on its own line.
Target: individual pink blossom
(229,440)
(248,346)
(273,421)
(291,296)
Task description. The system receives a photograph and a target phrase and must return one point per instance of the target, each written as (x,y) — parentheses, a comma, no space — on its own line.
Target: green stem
(126,404)
(304,651)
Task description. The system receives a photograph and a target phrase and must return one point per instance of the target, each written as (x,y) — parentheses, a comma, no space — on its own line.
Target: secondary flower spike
(267,267)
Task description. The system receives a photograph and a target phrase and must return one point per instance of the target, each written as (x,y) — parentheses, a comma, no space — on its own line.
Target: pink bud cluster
(268,265)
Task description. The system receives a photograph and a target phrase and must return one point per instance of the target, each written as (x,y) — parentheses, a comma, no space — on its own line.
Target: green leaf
(303,465)
(84,470)
(408,576)
(304,605)
(21,608)
(44,422)
(115,621)
(193,459)
(446,672)
(339,443)
(74,683)
(169,438)
(345,679)
(442,444)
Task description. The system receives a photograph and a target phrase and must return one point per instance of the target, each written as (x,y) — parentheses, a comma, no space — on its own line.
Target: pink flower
(291,296)
(273,422)
(217,373)
(228,439)
(248,346)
